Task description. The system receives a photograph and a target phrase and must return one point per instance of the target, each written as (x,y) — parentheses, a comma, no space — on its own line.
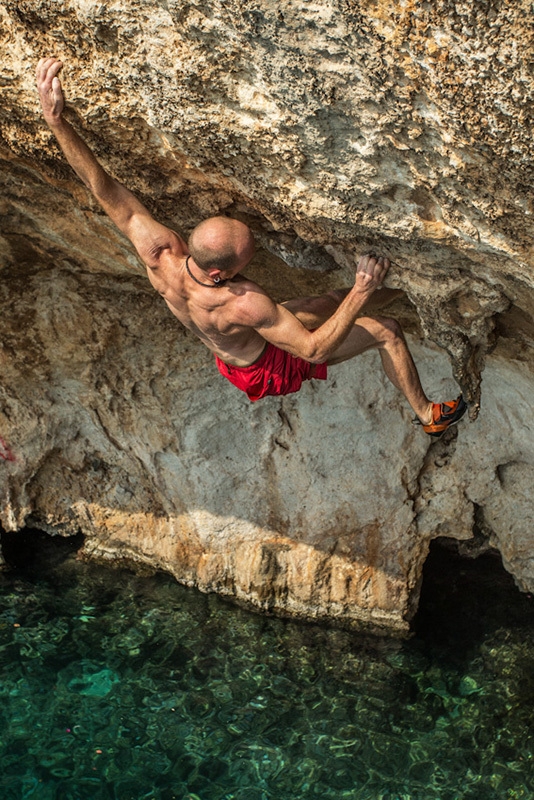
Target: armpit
(156,248)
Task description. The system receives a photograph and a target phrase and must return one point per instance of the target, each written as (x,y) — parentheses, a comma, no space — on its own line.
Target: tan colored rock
(330,128)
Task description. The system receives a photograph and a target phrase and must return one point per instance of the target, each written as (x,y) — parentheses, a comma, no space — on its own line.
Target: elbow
(318,359)
(316,355)
(315,352)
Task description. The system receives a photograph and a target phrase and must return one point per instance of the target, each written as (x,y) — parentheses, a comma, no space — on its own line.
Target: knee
(391,331)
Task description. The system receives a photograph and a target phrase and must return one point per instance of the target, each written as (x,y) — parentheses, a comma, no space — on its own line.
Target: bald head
(221,243)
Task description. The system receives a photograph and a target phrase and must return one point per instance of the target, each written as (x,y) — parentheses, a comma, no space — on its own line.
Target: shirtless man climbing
(262,347)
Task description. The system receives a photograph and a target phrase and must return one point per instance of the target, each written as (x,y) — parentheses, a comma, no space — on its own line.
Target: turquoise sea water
(119,686)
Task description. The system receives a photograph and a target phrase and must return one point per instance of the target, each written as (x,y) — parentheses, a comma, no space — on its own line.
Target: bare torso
(209,311)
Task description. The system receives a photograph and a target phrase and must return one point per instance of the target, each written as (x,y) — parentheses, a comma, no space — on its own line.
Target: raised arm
(278,325)
(149,237)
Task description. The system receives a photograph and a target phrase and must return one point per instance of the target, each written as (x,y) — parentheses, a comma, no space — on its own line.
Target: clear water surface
(118,686)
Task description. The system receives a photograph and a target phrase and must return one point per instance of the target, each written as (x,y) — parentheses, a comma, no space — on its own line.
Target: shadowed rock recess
(331,128)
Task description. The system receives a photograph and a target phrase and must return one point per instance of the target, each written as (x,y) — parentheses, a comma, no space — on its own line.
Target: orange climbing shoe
(444,415)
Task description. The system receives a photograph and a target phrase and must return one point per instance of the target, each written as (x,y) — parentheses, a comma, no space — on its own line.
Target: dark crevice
(30,547)
(464,599)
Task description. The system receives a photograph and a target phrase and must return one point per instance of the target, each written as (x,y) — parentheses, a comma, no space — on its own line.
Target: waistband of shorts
(255,364)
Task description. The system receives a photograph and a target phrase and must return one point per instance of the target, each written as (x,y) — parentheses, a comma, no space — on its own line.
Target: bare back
(216,315)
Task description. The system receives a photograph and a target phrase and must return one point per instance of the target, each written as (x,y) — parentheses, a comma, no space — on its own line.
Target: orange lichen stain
(435,230)
(436,52)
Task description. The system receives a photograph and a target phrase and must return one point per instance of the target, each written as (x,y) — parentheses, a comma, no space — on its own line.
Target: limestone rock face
(331,128)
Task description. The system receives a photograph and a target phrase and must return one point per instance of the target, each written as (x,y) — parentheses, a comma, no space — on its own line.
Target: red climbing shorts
(274,373)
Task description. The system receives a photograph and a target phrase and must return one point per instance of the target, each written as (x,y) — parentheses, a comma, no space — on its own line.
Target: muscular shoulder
(250,305)
(153,241)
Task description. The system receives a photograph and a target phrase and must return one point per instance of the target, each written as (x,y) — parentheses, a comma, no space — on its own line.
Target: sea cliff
(331,129)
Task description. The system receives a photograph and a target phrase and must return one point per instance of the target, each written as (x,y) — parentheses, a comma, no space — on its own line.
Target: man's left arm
(313,311)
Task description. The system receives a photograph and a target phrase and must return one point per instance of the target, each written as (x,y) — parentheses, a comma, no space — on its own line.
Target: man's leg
(313,311)
(386,335)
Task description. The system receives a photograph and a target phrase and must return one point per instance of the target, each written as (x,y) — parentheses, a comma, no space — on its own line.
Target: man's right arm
(148,236)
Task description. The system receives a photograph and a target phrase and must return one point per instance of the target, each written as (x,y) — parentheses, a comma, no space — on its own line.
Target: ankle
(427,417)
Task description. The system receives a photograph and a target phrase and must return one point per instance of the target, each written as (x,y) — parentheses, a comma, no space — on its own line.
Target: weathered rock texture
(331,128)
